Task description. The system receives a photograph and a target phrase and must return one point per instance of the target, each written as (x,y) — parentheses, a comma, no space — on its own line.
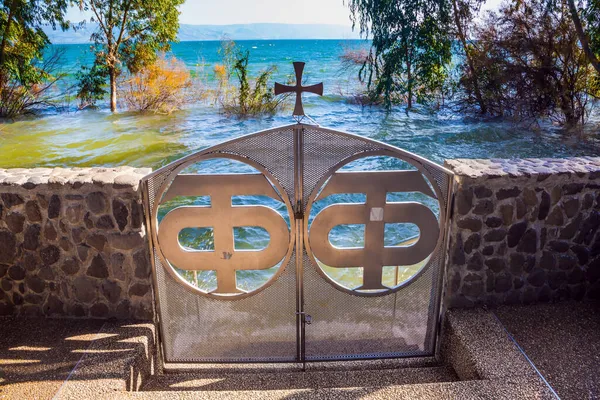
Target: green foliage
(251,96)
(91,82)
(259,99)
(463,12)
(524,62)
(130,34)
(590,11)
(22,44)
(411,47)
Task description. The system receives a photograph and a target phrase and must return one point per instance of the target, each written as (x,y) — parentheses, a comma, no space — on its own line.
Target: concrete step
(346,365)
(274,381)
(466,390)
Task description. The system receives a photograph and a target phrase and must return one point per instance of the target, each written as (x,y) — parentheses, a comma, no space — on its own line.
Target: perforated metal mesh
(274,150)
(262,327)
(258,328)
(346,326)
(441,179)
(323,150)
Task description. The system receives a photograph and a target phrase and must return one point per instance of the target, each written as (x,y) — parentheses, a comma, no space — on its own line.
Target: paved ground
(563,342)
(34,364)
(40,358)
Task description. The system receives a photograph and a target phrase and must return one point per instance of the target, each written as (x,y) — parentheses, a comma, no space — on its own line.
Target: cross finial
(298,89)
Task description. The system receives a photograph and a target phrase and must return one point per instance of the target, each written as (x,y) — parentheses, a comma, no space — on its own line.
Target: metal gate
(314,300)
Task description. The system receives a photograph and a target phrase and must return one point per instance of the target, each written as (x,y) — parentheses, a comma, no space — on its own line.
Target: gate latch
(298,212)
(306,318)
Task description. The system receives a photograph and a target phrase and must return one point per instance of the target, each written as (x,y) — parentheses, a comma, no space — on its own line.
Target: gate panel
(256,327)
(350,324)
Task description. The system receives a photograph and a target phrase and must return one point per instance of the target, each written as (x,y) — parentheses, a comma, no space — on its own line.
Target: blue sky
(223,12)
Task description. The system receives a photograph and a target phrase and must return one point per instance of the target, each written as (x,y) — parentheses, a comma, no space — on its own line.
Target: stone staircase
(118,361)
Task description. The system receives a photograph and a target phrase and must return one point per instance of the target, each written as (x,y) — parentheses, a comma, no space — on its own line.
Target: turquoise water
(99,138)
(96,137)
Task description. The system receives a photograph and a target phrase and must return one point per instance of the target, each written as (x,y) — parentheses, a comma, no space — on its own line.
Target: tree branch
(123,23)
(93,7)
(135,33)
(583,39)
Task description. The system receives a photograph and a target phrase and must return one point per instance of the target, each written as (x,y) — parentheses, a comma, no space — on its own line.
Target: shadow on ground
(37,356)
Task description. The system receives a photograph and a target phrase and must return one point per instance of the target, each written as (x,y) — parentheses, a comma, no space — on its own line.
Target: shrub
(431,90)
(162,87)
(224,92)
(31,87)
(353,62)
(250,96)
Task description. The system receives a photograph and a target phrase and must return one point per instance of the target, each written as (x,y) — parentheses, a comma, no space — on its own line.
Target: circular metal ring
(389,152)
(260,168)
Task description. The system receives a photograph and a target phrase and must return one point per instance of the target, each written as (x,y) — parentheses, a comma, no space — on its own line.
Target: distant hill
(236,32)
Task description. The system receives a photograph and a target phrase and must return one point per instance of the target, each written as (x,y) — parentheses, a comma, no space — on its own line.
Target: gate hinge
(298,212)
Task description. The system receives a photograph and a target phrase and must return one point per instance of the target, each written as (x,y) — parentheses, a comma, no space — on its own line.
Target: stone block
(97,202)
(8,246)
(98,267)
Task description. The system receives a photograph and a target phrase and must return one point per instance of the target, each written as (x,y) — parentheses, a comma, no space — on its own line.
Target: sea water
(95,137)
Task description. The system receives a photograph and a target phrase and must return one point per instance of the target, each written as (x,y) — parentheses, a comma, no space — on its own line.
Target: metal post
(299,219)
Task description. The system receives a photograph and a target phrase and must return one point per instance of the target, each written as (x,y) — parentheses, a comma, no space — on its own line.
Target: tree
(130,34)
(22,44)
(592,12)
(463,12)
(410,46)
(23,96)
(90,83)
(530,65)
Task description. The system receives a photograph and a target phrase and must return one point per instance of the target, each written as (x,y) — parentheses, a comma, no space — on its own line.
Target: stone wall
(72,243)
(524,231)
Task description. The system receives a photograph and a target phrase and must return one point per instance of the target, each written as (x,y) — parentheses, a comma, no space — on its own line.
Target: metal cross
(298,89)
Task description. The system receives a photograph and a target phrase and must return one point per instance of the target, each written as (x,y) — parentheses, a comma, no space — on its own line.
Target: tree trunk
(570,118)
(113,89)
(471,65)
(583,39)
(409,78)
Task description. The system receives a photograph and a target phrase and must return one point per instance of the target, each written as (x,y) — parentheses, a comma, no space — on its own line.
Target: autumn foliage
(162,87)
